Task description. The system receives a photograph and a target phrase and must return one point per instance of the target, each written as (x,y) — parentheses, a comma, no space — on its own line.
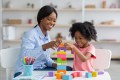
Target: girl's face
(80,40)
(48,22)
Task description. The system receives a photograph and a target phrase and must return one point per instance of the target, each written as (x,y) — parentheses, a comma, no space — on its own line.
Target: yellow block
(94,74)
(61,52)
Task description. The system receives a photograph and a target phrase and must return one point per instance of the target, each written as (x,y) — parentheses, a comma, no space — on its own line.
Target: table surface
(42,75)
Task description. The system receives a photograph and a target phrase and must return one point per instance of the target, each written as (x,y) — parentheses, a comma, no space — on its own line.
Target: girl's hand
(69,46)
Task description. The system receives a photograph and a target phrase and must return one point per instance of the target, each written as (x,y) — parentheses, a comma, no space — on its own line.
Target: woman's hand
(69,46)
(54,65)
(52,44)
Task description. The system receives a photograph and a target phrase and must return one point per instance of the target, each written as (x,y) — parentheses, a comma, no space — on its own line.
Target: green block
(64,61)
(59,60)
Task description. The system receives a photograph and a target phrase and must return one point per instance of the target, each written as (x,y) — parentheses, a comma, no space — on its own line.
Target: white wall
(65,17)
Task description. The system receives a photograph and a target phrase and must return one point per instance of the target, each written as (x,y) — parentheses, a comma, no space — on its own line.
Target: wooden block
(59,63)
(58,75)
(61,52)
(61,56)
(64,71)
(66,77)
(65,63)
(61,49)
(61,67)
(61,45)
(94,74)
(59,60)
(51,74)
(100,73)
(76,74)
(64,59)
(88,75)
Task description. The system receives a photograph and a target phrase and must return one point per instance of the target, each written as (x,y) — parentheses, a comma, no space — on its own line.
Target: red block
(76,74)
(64,59)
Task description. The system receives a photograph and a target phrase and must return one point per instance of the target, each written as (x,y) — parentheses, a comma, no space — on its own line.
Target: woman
(36,42)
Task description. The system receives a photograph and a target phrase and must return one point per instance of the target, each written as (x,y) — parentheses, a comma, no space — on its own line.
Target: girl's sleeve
(91,50)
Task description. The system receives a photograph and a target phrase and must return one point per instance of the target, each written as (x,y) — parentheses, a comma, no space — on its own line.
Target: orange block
(64,71)
(61,45)
(58,75)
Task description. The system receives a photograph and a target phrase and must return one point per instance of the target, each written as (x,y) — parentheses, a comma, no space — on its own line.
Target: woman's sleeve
(28,46)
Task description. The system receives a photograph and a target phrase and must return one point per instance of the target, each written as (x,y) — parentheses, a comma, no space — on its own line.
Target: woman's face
(80,40)
(48,22)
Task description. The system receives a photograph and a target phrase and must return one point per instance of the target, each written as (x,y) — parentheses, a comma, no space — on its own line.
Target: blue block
(66,77)
(61,67)
(88,75)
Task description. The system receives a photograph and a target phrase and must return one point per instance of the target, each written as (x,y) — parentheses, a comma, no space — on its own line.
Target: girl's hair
(44,12)
(86,29)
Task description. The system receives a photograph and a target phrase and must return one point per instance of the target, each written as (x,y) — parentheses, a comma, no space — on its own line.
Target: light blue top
(32,42)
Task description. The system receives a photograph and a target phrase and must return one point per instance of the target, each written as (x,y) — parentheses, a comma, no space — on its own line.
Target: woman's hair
(86,29)
(44,12)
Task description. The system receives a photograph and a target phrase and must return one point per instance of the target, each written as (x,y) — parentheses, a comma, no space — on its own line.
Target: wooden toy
(94,74)
(100,72)
(61,48)
(61,67)
(88,75)
(76,74)
(64,71)
(66,77)
(50,74)
(58,75)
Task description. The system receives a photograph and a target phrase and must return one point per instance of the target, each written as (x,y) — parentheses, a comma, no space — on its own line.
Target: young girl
(83,51)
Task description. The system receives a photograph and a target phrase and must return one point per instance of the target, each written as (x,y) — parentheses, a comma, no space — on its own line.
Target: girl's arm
(78,52)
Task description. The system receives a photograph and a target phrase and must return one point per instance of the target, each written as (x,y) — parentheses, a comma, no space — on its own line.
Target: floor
(114,70)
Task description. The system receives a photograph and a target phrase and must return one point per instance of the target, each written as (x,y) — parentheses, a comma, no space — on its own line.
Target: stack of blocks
(61,61)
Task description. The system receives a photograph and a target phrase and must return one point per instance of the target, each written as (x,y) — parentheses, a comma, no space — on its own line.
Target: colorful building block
(64,71)
(61,48)
(61,52)
(59,60)
(64,59)
(100,72)
(94,74)
(66,77)
(88,75)
(50,74)
(61,67)
(61,45)
(58,75)
(76,74)
(61,56)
